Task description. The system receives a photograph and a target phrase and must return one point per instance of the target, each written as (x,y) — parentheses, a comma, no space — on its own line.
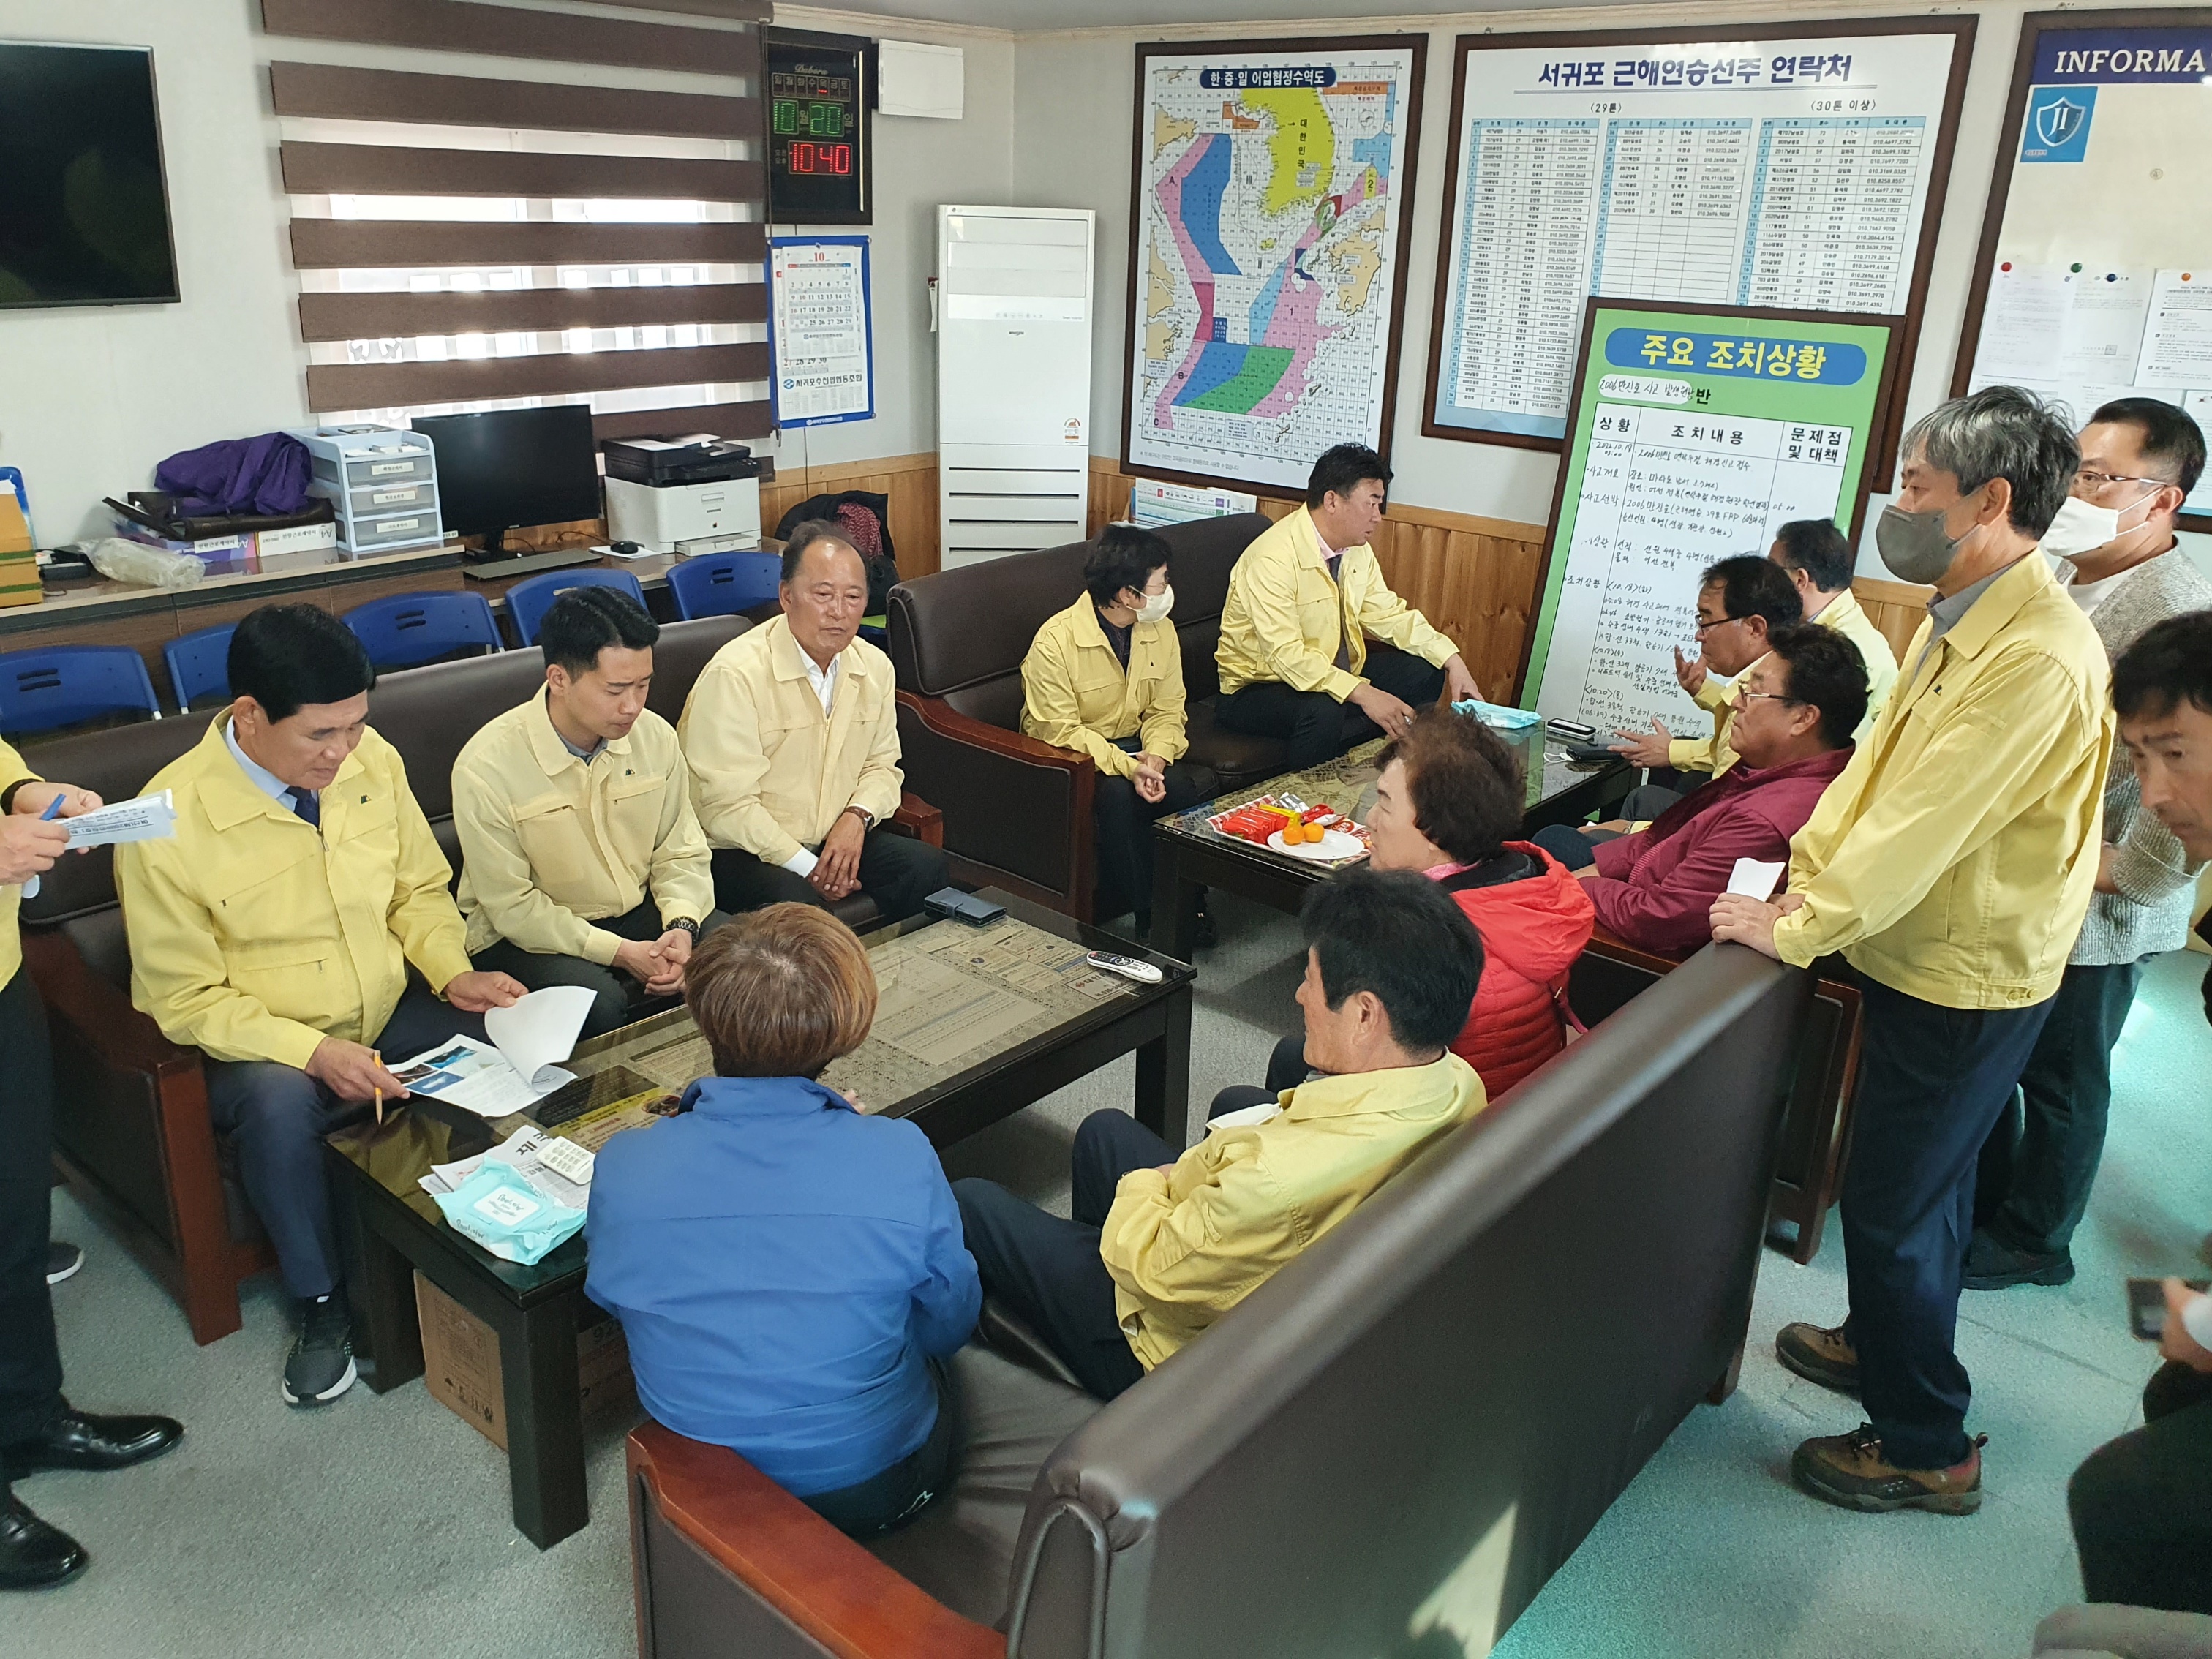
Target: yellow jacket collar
(1311,550)
(1356,1092)
(2001,601)
(1090,634)
(546,746)
(229,798)
(789,662)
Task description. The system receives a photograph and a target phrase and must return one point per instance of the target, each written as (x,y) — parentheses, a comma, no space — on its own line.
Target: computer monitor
(509,467)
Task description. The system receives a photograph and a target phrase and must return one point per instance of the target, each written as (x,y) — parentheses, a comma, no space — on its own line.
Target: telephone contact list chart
(1792,172)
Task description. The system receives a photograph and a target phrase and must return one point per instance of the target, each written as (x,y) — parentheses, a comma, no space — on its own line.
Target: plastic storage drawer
(377,471)
(368,500)
(374,535)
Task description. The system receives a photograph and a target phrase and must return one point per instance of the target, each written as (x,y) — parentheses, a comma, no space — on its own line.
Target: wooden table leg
(1175,904)
(380,1292)
(1163,1100)
(545,1421)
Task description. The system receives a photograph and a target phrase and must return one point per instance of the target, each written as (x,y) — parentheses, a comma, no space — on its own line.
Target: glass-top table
(1191,855)
(972,1025)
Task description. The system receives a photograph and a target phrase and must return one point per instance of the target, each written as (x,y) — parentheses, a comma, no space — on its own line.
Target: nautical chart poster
(1272,195)
(2094,280)
(1803,170)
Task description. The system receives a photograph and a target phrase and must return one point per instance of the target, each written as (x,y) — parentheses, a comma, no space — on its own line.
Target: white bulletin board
(2094,280)
(1802,169)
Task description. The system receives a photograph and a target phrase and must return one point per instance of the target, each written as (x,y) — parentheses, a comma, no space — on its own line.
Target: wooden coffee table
(1190,855)
(974,1024)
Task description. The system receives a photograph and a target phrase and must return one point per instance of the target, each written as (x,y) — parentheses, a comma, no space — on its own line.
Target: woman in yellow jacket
(1104,679)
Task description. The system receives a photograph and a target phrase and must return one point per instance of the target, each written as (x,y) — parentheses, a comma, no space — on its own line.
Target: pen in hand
(379,1062)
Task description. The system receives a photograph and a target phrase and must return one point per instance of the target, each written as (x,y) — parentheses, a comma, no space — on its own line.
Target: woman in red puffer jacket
(1450,793)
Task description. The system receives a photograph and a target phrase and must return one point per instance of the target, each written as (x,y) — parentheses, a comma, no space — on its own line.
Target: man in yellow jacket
(1104,679)
(581,860)
(1951,864)
(1162,1246)
(1302,600)
(1818,560)
(792,735)
(38,1429)
(299,933)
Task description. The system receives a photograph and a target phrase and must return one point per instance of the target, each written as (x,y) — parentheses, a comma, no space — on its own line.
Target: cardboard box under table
(460,1366)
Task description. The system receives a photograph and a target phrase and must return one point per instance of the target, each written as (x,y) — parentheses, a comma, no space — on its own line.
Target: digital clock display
(817,131)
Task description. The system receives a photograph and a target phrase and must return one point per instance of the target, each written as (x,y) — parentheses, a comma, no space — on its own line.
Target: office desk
(392,1227)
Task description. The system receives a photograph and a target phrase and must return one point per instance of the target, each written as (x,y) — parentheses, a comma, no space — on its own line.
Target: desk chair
(723,584)
(199,665)
(527,602)
(60,685)
(407,628)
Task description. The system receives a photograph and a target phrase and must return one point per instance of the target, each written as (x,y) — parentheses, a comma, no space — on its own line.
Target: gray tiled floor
(380,1525)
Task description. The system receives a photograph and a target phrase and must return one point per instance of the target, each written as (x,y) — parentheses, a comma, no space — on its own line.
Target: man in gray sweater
(2140,459)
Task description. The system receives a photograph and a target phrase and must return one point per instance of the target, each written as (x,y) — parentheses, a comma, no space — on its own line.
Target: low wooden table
(1190,855)
(941,983)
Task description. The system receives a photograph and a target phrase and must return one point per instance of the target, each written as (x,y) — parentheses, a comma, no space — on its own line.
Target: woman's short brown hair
(1465,785)
(781,992)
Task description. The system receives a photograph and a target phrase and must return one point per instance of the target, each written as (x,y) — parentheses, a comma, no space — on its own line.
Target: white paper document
(521,1065)
(1753,879)
(2023,323)
(546,1161)
(2177,340)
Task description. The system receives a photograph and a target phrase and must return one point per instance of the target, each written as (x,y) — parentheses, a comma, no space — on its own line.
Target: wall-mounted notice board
(1693,433)
(2094,280)
(1802,168)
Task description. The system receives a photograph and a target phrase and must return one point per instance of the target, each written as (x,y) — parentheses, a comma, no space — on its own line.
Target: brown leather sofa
(1017,812)
(1815,1139)
(1385,1451)
(132,1132)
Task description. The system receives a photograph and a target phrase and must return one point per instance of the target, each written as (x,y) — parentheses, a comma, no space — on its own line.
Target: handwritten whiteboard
(2093,279)
(1802,168)
(1692,434)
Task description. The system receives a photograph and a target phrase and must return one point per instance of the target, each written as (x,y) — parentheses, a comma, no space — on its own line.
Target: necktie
(305,802)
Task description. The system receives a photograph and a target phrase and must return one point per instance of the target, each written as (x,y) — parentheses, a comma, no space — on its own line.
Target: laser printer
(698,494)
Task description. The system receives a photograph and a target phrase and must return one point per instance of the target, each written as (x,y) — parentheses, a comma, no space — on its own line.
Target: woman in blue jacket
(788,1270)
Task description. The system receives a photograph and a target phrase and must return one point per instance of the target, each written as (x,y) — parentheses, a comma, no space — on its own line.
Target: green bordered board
(1694,432)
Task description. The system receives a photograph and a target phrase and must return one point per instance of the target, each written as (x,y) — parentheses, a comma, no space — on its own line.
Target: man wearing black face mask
(1951,864)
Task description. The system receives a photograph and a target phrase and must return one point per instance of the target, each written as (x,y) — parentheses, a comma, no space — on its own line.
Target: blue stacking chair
(527,602)
(199,665)
(723,584)
(407,628)
(58,685)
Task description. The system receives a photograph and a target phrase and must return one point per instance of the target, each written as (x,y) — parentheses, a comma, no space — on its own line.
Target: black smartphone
(1591,754)
(950,904)
(2147,1306)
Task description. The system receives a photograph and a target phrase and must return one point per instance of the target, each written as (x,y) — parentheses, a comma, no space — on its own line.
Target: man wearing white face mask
(1951,864)
(2140,459)
(1104,678)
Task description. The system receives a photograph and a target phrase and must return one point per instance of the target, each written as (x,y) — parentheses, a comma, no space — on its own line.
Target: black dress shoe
(34,1555)
(78,1440)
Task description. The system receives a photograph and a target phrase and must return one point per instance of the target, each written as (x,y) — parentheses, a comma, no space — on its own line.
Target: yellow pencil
(379,1060)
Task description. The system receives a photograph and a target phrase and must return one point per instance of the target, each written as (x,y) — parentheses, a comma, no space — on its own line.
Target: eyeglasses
(2094,482)
(1772,696)
(1704,628)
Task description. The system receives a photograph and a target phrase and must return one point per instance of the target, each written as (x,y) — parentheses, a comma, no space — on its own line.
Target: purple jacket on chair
(1654,889)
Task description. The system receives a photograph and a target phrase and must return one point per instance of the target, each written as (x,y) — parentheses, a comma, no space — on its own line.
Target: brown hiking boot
(1818,1356)
(1849,1471)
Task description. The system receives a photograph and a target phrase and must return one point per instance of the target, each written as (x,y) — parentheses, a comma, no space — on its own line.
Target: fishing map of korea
(1267,273)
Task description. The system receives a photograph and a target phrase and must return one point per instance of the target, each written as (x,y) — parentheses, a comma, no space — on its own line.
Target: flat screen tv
(84,206)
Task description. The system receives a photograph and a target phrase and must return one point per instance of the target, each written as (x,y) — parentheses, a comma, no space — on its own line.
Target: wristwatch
(867,818)
(687,924)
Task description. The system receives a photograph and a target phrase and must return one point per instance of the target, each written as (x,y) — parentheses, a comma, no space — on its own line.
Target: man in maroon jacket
(1799,704)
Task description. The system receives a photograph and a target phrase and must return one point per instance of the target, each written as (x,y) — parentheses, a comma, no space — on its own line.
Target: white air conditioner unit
(1014,380)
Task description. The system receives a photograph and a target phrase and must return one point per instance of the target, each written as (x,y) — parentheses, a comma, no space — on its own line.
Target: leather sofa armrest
(1016,812)
(101,1015)
(917,817)
(1619,950)
(791,1559)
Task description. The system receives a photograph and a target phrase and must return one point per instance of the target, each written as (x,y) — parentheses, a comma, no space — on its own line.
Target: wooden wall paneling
(907,482)
(468,100)
(1896,609)
(512,32)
